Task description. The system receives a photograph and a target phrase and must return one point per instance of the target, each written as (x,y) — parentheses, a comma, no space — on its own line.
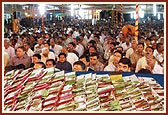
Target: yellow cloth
(116,77)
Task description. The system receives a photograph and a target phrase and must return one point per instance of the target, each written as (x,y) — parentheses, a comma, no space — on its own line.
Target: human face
(123,67)
(64,50)
(148,42)
(35,59)
(74,40)
(40,41)
(93,60)
(47,36)
(37,66)
(154,45)
(59,41)
(120,35)
(134,44)
(140,48)
(81,38)
(20,52)
(52,42)
(32,38)
(112,47)
(150,61)
(45,52)
(70,47)
(24,40)
(96,39)
(149,52)
(84,61)
(47,46)
(142,40)
(26,46)
(117,57)
(49,64)
(77,68)
(92,50)
(162,40)
(89,45)
(62,58)
(6,44)
(119,49)
(88,35)
(127,39)
(161,48)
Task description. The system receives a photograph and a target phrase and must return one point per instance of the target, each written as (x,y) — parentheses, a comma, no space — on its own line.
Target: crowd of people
(81,46)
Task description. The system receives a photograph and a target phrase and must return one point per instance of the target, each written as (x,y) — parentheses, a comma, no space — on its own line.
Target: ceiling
(127,8)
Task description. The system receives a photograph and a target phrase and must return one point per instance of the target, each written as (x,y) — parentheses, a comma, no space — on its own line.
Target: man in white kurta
(46,54)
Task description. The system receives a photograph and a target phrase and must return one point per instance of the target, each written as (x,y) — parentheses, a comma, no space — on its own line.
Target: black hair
(72,44)
(140,43)
(93,47)
(82,34)
(20,66)
(94,54)
(158,45)
(144,71)
(62,54)
(37,55)
(148,39)
(150,48)
(120,47)
(52,60)
(41,63)
(97,36)
(28,43)
(46,43)
(65,35)
(92,42)
(21,47)
(113,43)
(60,38)
(84,56)
(9,68)
(117,51)
(125,61)
(81,64)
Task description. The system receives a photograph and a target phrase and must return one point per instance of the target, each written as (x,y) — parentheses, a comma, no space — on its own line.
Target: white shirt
(30,52)
(129,52)
(88,39)
(50,56)
(110,67)
(125,47)
(11,51)
(141,64)
(75,34)
(67,41)
(38,49)
(71,58)
(157,69)
(80,49)
(157,55)
(57,49)
(102,39)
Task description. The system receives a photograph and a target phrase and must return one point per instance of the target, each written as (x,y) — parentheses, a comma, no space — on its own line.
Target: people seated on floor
(124,65)
(20,58)
(79,66)
(51,63)
(113,66)
(95,64)
(62,63)
(39,65)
